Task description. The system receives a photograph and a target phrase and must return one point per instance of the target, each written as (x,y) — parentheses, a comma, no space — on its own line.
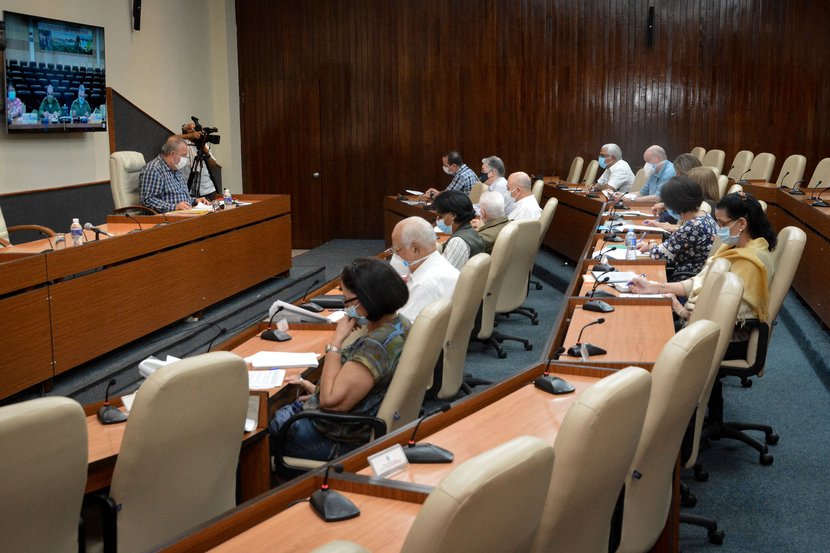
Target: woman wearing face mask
(687,249)
(14,106)
(748,239)
(354,377)
(455,211)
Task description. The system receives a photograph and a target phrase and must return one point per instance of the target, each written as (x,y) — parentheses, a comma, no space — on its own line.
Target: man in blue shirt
(161,185)
(463,178)
(659,171)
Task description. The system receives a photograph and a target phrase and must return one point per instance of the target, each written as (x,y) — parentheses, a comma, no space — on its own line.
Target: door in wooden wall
(282,154)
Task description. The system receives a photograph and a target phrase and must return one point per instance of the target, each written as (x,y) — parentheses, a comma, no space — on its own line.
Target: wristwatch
(330,348)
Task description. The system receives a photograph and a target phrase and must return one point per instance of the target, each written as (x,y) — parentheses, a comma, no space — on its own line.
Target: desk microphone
(576,349)
(108,414)
(275,335)
(330,505)
(427,453)
(796,191)
(310,306)
(48,239)
(741,178)
(818,202)
(133,219)
(98,232)
(553,384)
(784,179)
(599,306)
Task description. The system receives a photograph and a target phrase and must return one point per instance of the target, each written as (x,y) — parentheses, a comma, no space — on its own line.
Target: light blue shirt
(656,181)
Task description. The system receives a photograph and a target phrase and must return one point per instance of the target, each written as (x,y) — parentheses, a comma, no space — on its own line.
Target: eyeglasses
(349,300)
(722,224)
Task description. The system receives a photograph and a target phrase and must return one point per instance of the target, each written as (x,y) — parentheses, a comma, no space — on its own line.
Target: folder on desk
(294,314)
(282,360)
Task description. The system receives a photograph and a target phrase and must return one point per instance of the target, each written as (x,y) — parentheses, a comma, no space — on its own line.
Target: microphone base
(820,203)
(603,268)
(576,350)
(611,238)
(796,192)
(601,294)
(598,306)
(620,205)
(332,506)
(275,336)
(108,414)
(427,453)
(553,385)
(591,195)
(311,306)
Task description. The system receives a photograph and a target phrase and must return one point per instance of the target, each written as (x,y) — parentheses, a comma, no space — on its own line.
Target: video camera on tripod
(206,135)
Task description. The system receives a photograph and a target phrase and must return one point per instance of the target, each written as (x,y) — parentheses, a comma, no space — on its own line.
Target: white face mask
(182,163)
(649,169)
(447,170)
(401,267)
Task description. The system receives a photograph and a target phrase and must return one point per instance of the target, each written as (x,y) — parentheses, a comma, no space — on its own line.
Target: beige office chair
(740,165)
(723,185)
(43,472)
(761,168)
(406,391)
(4,231)
(714,158)
(677,380)
(763,205)
(545,220)
(576,170)
(735,188)
(124,170)
(714,169)
(466,300)
(177,464)
(492,502)
(506,290)
(341,546)
(639,180)
(821,176)
(604,423)
(786,257)
(538,187)
(591,173)
(792,171)
(699,152)
(476,191)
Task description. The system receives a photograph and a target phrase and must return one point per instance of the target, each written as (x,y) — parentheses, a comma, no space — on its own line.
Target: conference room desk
(396,210)
(575,218)
(652,269)
(106,293)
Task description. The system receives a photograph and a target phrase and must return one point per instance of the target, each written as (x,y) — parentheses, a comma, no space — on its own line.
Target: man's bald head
(413,239)
(519,185)
(654,154)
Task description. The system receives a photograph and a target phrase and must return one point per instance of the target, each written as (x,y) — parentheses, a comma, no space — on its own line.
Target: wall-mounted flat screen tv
(55,75)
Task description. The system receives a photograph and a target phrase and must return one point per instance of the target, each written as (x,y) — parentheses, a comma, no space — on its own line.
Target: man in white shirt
(428,275)
(519,186)
(617,176)
(492,170)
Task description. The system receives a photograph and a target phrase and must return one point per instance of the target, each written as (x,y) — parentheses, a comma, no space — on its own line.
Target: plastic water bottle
(630,245)
(228,199)
(77,233)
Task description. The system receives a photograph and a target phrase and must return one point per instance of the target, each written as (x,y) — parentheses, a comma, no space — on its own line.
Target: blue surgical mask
(12,94)
(673,214)
(601,161)
(351,312)
(443,226)
(726,237)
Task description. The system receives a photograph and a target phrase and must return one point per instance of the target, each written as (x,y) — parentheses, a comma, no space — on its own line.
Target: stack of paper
(265,380)
(282,360)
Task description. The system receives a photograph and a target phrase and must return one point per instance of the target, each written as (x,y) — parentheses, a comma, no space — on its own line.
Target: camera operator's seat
(124,170)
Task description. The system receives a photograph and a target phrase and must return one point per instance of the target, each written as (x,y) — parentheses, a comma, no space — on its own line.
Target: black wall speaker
(137,15)
(650,27)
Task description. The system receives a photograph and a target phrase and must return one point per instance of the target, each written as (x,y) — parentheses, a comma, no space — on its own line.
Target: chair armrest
(378,427)
(44,230)
(143,208)
(5,243)
(760,353)
(109,519)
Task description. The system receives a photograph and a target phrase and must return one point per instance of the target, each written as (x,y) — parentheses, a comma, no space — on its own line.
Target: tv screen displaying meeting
(55,75)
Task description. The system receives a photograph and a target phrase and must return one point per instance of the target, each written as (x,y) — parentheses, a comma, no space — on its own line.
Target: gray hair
(492,203)
(171,145)
(658,151)
(613,150)
(495,163)
(418,230)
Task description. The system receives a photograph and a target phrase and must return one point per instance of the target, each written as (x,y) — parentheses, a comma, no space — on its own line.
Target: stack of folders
(269,367)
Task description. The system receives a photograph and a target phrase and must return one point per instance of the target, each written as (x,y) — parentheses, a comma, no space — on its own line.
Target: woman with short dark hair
(464,241)
(687,248)
(355,377)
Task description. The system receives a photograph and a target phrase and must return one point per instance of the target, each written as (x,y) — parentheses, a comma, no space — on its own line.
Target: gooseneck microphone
(108,414)
(48,239)
(330,505)
(427,453)
(796,191)
(599,306)
(576,349)
(133,219)
(553,384)
(98,232)
(741,178)
(784,179)
(310,306)
(818,201)
(275,335)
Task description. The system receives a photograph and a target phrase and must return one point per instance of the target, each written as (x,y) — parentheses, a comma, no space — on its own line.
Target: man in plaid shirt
(161,185)
(463,178)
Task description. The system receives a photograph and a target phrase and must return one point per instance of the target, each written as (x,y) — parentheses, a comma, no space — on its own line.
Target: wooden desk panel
(20,273)
(574,219)
(25,341)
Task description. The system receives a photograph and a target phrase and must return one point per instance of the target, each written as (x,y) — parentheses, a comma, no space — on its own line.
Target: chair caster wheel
(528,347)
(535,322)
(690,501)
(502,354)
(716,537)
(772,438)
(701,475)
(746,383)
(766,459)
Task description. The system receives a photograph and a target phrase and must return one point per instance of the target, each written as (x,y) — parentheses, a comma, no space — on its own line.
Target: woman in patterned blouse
(687,249)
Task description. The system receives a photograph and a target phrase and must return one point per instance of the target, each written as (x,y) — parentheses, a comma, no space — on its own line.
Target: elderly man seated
(492,218)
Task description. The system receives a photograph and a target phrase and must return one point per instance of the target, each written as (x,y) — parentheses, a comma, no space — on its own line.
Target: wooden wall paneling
(25,341)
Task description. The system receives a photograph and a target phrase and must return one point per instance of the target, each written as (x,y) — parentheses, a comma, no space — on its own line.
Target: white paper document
(414,192)
(639,228)
(615,276)
(282,360)
(264,380)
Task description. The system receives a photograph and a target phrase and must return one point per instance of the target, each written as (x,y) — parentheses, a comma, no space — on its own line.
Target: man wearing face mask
(491,212)
(161,185)
(463,178)
(492,174)
(14,106)
(617,176)
(428,275)
(50,105)
(659,171)
(80,107)
(520,188)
